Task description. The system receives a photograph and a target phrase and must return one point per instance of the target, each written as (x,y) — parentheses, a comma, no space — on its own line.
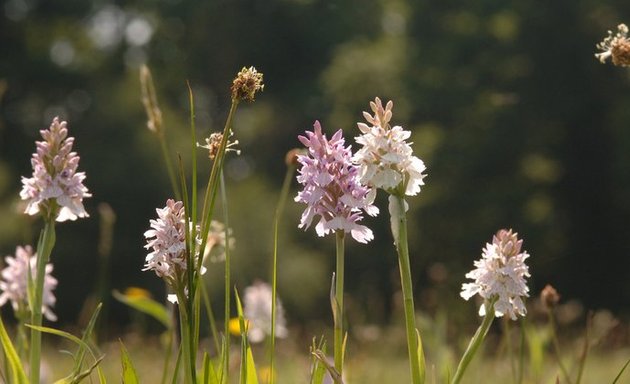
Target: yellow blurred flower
(137,292)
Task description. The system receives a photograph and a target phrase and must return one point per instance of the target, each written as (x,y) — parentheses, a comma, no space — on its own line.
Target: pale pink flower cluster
(500,275)
(386,160)
(332,189)
(257,311)
(56,187)
(167,239)
(14,282)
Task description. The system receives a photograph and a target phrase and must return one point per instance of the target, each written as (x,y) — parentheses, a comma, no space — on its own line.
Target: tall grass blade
(178,363)
(17,373)
(87,334)
(318,370)
(284,192)
(621,372)
(248,367)
(321,357)
(129,375)
(421,360)
(209,374)
(83,346)
(146,305)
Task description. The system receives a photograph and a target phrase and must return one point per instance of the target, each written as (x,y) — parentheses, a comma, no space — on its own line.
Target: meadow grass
(379,361)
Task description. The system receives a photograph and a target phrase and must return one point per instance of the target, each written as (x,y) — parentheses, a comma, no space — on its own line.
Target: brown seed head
(621,53)
(246,84)
(549,296)
(149,100)
(616,47)
(291,158)
(213,143)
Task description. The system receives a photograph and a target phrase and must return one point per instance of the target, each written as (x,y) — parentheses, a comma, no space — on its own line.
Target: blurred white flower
(386,160)
(14,282)
(216,244)
(257,312)
(500,275)
(56,188)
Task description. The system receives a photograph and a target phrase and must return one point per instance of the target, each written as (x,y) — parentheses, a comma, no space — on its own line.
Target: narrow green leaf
(251,377)
(621,372)
(79,342)
(421,360)
(87,334)
(17,371)
(177,365)
(146,305)
(63,334)
(317,370)
(209,374)
(321,357)
(129,375)
(78,377)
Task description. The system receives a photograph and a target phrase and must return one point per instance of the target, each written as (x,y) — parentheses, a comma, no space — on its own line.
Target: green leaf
(146,305)
(321,357)
(178,363)
(63,334)
(251,377)
(621,372)
(87,334)
(75,377)
(129,375)
(318,370)
(248,367)
(17,371)
(209,374)
(421,361)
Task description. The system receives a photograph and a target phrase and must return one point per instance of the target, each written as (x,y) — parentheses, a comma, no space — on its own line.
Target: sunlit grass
(378,361)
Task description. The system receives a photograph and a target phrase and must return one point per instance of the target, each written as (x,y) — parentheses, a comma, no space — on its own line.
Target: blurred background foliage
(519,126)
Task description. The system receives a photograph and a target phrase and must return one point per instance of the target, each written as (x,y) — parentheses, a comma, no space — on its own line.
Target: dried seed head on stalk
(149,100)
(291,158)
(247,82)
(549,297)
(617,47)
(213,143)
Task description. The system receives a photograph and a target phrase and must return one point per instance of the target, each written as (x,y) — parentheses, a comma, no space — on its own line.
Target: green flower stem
(508,341)
(44,249)
(338,311)
(407,288)
(186,333)
(226,324)
(556,345)
(206,217)
(284,193)
(476,341)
